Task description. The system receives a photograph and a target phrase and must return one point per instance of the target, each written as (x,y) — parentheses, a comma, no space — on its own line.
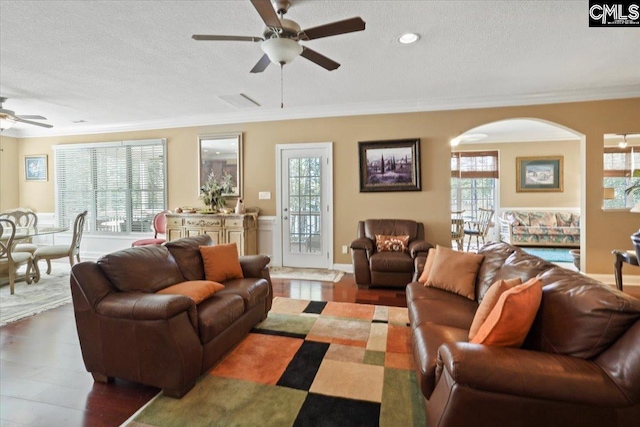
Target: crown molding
(359,109)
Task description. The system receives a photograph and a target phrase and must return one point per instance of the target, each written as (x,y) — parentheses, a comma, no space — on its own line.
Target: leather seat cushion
(457,312)
(391,261)
(186,252)
(253,291)
(217,313)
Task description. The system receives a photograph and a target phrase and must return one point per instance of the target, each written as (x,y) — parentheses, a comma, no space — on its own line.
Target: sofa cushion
(253,291)
(521,264)
(455,271)
(186,252)
(428,264)
(542,219)
(399,262)
(510,319)
(386,243)
(563,219)
(489,301)
(141,269)
(446,309)
(216,314)
(579,318)
(495,255)
(221,262)
(197,290)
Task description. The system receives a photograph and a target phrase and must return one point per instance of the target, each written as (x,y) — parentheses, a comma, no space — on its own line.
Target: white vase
(240,207)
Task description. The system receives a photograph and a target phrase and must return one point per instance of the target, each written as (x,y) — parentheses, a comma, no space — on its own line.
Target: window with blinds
(121,184)
(473,181)
(620,166)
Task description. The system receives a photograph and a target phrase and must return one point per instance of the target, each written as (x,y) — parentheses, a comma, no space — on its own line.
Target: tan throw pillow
(221,262)
(489,301)
(428,264)
(386,243)
(510,320)
(197,290)
(455,271)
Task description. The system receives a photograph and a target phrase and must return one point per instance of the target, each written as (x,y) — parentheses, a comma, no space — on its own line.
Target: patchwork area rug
(308,364)
(51,291)
(318,274)
(551,254)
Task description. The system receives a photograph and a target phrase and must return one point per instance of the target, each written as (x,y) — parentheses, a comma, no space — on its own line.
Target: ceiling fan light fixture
(6,123)
(281,51)
(409,38)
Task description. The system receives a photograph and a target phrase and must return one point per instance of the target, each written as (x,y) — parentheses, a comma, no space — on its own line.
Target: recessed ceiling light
(409,38)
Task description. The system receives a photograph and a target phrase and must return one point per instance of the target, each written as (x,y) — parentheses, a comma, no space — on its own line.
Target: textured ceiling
(122,65)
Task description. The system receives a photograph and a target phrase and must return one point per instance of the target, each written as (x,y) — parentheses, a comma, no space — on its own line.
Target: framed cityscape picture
(539,174)
(35,168)
(390,165)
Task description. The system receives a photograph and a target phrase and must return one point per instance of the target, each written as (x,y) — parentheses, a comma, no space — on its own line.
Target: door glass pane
(304,205)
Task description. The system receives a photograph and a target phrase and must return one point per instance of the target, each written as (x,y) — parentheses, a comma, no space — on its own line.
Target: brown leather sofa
(128,331)
(579,365)
(373,268)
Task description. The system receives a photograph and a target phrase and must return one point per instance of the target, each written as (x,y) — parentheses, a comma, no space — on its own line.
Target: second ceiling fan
(280,40)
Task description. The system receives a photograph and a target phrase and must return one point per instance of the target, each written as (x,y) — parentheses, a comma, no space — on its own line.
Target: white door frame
(327,209)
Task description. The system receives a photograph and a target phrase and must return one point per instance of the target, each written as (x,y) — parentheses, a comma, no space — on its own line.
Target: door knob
(285,209)
(286,217)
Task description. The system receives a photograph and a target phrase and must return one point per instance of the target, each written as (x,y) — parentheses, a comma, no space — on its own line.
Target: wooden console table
(223,228)
(621,257)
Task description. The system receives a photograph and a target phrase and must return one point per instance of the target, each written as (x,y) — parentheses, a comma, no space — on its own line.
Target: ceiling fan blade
(333,29)
(29,122)
(267,13)
(262,64)
(226,38)
(319,59)
(30,117)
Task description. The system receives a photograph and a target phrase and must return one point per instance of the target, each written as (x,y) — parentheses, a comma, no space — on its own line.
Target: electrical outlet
(264,195)
(345,249)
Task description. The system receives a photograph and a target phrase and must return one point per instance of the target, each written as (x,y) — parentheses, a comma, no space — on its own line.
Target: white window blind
(121,184)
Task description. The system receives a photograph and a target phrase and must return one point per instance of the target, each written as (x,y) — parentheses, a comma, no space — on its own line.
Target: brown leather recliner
(373,268)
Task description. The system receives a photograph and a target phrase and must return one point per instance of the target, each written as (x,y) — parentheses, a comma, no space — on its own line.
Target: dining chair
(479,228)
(159,227)
(22,217)
(60,251)
(10,261)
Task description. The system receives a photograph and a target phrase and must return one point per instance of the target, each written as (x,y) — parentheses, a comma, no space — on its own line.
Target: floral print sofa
(540,228)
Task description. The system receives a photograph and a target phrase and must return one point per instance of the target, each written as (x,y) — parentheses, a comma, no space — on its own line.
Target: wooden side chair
(10,261)
(479,228)
(61,251)
(22,217)
(457,229)
(159,227)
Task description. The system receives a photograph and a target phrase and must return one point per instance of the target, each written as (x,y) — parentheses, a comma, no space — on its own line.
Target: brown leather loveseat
(128,331)
(579,364)
(372,267)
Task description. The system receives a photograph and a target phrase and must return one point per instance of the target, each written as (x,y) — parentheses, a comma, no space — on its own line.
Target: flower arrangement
(213,192)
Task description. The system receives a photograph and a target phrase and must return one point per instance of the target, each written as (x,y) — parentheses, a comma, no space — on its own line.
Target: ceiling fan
(280,40)
(8,118)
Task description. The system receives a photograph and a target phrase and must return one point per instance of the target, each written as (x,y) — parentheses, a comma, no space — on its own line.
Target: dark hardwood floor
(43,381)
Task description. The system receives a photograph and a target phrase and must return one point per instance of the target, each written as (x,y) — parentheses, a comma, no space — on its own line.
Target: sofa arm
(419,247)
(363,243)
(528,373)
(144,306)
(254,265)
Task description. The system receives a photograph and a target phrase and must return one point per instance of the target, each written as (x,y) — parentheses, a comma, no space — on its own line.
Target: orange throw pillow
(455,271)
(489,301)
(391,243)
(221,262)
(510,320)
(428,264)
(197,290)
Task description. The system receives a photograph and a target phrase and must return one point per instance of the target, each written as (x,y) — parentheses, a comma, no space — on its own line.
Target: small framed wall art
(35,167)
(539,174)
(390,165)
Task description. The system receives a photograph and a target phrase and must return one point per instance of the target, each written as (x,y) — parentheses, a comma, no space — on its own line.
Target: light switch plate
(264,195)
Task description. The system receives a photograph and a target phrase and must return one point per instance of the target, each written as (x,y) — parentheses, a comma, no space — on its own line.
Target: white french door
(305,204)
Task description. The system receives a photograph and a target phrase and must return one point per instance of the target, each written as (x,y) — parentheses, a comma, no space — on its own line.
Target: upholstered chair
(159,227)
(22,217)
(62,251)
(384,251)
(10,261)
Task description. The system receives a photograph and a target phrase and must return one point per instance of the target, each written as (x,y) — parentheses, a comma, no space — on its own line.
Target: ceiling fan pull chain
(281,85)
